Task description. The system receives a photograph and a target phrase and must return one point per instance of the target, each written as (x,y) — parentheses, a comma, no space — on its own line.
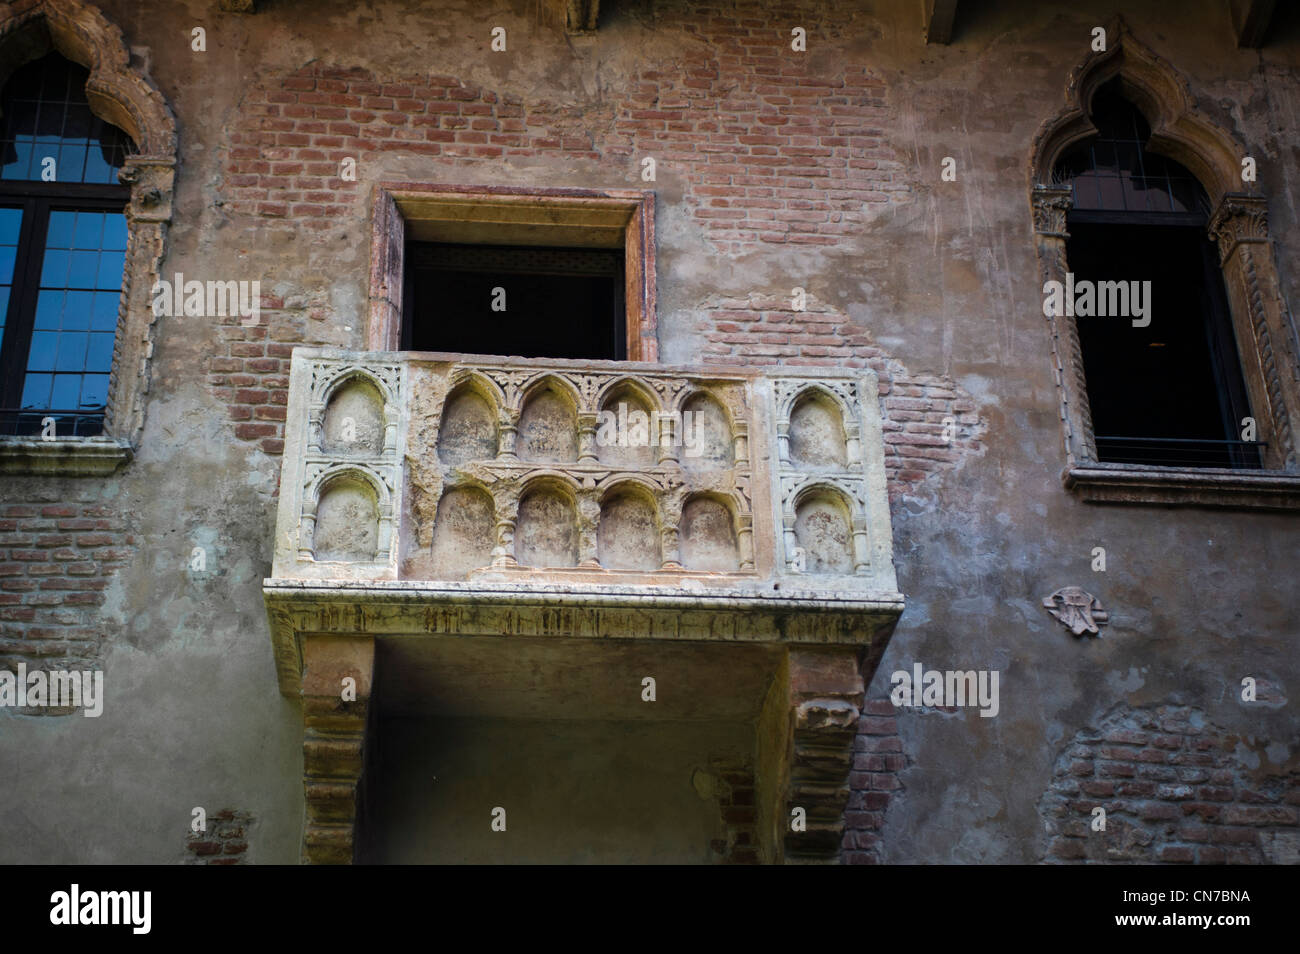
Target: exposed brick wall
(224,843)
(877,760)
(769,150)
(59,548)
(735,797)
(766,149)
(765,330)
(1174,790)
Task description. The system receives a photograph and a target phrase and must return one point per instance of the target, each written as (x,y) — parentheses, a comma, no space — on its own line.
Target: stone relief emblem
(1078,610)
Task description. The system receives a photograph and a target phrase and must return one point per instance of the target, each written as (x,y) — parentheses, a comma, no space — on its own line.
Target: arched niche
(629,535)
(816,429)
(627,434)
(548,425)
(468,430)
(707,535)
(823,527)
(354,419)
(463,532)
(707,442)
(546,532)
(347,520)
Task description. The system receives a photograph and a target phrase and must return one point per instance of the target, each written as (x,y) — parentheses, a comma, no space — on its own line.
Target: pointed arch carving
(1239,225)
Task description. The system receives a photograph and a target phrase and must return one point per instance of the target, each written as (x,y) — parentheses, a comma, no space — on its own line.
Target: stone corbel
(825,698)
(152,181)
(338,673)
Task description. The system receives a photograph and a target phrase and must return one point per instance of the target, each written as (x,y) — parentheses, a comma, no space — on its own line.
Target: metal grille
(1180,452)
(1114,172)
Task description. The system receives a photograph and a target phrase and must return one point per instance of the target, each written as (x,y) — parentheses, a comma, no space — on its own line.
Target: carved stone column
(587,421)
(336,682)
(1240,227)
(824,703)
(588,528)
(1051,205)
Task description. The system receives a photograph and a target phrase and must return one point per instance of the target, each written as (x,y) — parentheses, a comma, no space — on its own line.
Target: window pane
(36,391)
(54,270)
(49,310)
(110,269)
(103,316)
(44,113)
(1131,179)
(11,221)
(99,355)
(72,352)
(44,346)
(89,230)
(66,393)
(114,233)
(94,390)
(83,269)
(59,234)
(76,312)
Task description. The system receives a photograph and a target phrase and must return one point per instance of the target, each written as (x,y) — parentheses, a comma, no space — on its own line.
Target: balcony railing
(725,501)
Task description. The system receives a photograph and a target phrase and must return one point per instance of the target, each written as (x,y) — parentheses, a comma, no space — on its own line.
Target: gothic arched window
(1163,373)
(62,250)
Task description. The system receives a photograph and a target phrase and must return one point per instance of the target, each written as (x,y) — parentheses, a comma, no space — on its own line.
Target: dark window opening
(62,251)
(525,302)
(1169,392)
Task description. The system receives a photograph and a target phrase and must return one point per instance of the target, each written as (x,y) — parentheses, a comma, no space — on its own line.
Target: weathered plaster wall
(932,283)
(574,792)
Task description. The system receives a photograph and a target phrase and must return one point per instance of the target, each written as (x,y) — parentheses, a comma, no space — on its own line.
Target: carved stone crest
(1078,610)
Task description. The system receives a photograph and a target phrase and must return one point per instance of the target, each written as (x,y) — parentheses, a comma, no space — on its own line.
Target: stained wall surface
(774,169)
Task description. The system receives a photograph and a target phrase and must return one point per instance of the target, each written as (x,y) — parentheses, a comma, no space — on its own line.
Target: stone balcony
(559,503)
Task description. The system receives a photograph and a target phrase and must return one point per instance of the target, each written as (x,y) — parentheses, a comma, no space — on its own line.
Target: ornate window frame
(1261,320)
(127,98)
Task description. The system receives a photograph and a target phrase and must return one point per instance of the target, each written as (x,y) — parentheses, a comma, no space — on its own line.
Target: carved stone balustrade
(443,495)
